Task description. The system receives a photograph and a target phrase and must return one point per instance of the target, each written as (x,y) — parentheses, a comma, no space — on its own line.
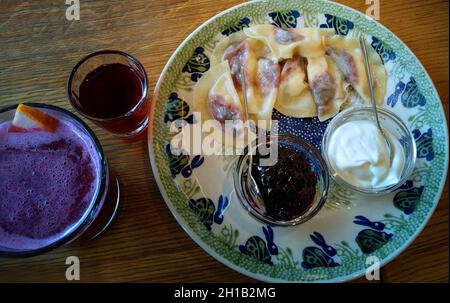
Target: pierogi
(301,72)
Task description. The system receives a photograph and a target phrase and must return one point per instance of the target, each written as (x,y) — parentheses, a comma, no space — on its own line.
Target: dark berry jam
(287,188)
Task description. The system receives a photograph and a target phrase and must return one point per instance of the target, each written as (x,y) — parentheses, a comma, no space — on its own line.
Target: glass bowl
(245,192)
(389,121)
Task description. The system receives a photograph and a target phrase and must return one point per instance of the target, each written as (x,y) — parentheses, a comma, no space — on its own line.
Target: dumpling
(219,50)
(281,42)
(294,97)
(348,56)
(248,59)
(268,80)
(215,97)
(284,43)
(327,86)
(242,59)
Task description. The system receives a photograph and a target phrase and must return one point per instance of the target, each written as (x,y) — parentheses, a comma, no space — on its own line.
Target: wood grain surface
(38,48)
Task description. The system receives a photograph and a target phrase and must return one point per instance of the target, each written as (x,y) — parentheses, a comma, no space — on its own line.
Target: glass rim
(106,52)
(312,211)
(97,199)
(378,191)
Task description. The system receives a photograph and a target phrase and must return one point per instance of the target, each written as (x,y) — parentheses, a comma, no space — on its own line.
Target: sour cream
(359,154)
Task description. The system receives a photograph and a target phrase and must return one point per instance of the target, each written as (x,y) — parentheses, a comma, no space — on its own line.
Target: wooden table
(38,48)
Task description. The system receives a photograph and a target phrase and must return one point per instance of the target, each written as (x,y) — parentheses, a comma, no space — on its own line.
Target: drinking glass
(105,202)
(118,102)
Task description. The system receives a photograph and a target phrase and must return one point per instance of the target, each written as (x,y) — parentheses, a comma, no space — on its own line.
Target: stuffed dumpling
(348,57)
(285,43)
(327,86)
(249,60)
(215,97)
(294,96)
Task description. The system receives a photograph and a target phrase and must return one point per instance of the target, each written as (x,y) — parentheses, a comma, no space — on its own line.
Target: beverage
(110,88)
(53,185)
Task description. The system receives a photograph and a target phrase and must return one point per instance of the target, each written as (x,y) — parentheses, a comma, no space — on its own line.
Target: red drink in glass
(110,88)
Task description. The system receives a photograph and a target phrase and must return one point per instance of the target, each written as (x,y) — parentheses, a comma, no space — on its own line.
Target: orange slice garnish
(30,118)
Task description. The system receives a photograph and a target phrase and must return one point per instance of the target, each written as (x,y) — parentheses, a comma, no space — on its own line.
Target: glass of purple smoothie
(55,187)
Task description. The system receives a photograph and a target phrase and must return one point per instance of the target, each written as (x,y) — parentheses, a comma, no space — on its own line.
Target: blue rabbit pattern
(180,163)
(236,27)
(370,240)
(287,19)
(197,65)
(262,250)
(408,197)
(341,26)
(206,211)
(321,256)
(177,109)
(424,143)
(408,93)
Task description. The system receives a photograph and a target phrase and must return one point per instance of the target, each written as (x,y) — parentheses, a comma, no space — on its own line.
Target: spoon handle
(369,80)
(244,94)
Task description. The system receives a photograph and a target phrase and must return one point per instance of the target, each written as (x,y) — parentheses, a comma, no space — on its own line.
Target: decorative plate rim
(194,236)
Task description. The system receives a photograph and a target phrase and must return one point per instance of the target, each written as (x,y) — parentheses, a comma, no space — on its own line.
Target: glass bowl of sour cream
(357,155)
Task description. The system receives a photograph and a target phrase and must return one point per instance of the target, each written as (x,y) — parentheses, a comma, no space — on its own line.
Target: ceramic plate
(351,231)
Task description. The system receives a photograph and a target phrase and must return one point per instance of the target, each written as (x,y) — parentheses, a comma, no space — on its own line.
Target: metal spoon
(372,96)
(250,180)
